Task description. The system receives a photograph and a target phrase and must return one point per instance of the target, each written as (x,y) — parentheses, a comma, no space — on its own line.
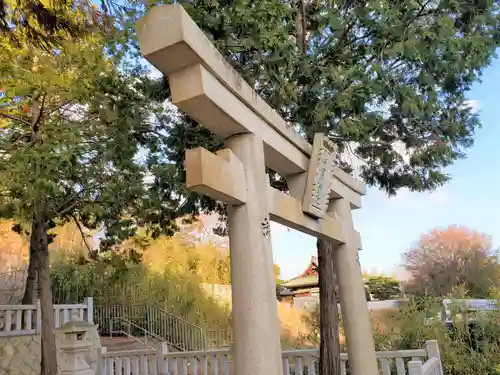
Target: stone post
(432,349)
(415,368)
(89,313)
(355,315)
(100,363)
(257,348)
(161,351)
(38,315)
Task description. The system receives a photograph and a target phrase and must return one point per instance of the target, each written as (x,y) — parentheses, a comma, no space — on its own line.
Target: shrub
(406,330)
(466,351)
(383,287)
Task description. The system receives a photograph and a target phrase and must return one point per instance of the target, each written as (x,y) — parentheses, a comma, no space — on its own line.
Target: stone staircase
(117,344)
(152,322)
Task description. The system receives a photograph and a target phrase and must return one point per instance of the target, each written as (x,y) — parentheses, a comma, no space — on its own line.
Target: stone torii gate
(210,91)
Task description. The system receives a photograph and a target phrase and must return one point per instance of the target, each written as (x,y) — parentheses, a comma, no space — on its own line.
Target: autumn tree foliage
(445,259)
(48,24)
(13,248)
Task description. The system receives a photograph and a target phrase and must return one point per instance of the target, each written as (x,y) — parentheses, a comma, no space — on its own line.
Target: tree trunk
(329,354)
(39,242)
(30,289)
(300,27)
(29,296)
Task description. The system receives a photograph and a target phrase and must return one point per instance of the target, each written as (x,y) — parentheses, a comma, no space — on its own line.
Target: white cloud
(439,196)
(401,149)
(473,104)
(413,200)
(148,179)
(155,73)
(357,163)
(74,112)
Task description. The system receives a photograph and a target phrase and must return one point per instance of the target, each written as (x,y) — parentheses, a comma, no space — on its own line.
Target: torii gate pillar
(355,316)
(205,87)
(255,313)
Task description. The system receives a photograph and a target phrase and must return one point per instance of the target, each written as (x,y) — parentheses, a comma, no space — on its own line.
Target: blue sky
(389,226)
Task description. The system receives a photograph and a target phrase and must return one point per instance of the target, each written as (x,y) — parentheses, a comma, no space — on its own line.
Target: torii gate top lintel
(171,41)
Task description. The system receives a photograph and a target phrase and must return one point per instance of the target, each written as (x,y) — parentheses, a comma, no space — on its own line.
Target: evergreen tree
(387,81)
(47,24)
(79,142)
(383,287)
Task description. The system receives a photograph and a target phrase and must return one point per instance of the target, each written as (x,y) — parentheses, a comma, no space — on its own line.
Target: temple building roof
(309,278)
(300,282)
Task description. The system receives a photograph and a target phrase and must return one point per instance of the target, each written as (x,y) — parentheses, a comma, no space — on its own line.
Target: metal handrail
(179,318)
(177,332)
(129,334)
(180,333)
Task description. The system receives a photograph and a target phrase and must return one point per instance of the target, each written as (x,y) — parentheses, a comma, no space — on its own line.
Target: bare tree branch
(83,234)
(15,118)
(69,208)
(58,107)
(71,203)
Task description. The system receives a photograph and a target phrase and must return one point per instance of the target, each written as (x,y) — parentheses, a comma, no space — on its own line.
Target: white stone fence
(431,367)
(18,320)
(160,361)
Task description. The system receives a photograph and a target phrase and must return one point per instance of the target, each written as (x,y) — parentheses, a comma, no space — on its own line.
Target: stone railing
(159,361)
(217,338)
(77,348)
(27,319)
(431,367)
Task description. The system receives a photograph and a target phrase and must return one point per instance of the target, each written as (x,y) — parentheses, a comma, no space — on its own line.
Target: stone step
(115,344)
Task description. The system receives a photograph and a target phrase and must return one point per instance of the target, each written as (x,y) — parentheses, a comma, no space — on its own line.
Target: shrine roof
(310,280)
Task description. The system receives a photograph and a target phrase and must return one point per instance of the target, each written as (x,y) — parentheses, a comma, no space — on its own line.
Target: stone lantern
(74,346)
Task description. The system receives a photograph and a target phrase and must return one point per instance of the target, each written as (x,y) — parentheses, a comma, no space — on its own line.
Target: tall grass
(117,283)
